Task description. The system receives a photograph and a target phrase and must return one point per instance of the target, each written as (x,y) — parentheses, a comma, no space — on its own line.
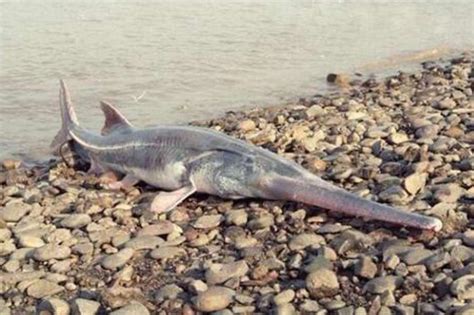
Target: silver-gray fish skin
(176,157)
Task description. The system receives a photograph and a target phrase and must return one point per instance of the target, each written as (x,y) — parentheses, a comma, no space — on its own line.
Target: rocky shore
(68,246)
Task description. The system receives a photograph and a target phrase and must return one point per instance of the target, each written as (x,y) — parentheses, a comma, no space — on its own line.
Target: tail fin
(68,117)
(319,193)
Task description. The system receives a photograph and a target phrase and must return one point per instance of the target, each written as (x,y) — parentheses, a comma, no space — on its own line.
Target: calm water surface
(177,61)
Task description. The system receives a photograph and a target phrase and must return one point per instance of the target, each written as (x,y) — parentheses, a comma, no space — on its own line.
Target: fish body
(184,159)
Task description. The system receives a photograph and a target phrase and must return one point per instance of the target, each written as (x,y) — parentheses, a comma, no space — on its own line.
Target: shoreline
(379,69)
(406,140)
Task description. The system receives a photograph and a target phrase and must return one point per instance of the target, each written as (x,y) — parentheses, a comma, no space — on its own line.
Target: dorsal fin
(114,120)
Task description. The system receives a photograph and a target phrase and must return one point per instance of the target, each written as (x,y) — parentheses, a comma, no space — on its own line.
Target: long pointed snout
(322,194)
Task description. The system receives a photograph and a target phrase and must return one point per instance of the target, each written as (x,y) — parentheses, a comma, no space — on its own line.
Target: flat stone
(366,268)
(144,242)
(5,234)
(14,211)
(247,125)
(237,217)
(468,238)
(160,228)
(16,277)
(76,221)
(322,283)
(284,297)
(208,221)
(263,221)
(446,103)
(134,308)
(219,273)
(304,240)
(397,138)
(167,252)
(382,284)
(449,193)
(84,307)
(394,194)
(30,241)
(51,251)
(6,248)
(168,292)
(54,306)
(416,256)
(414,183)
(214,299)
(285,309)
(43,288)
(463,287)
(118,260)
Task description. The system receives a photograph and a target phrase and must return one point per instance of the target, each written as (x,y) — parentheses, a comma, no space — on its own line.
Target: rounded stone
(76,221)
(53,306)
(219,273)
(322,283)
(463,287)
(214,299)
(208,221)
(43,288)
(131,309)
(51,251)
(84,307)
(167,252)
(304,240)
(118,260)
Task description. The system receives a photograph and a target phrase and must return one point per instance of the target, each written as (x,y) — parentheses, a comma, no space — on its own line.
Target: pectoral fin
(127,182)
(167,201)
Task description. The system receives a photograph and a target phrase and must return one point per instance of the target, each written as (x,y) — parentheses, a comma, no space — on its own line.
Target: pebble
(168,292)
(144,242)
(167,252)
(208,221)
(467,237)
(285,309)
(366,268)
(237,217)
(118,260)
(262,222)
(382,284)
(160,228)
(284,297)
(84,307)
(416,256)
(133,308)
(448,193)
(247,125)
(6,248)
(14,211)
(76,221)
(219,273)
(54,306)
(415,183)
(463,287)
(51,251)
(322,283)
(5,234)
(302,241)
(214,299)
(30,241)
(43,288)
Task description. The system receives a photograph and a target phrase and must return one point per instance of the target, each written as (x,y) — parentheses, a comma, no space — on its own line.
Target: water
(177,61)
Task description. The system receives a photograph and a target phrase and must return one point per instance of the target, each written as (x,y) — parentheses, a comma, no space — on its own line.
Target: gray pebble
(118,260)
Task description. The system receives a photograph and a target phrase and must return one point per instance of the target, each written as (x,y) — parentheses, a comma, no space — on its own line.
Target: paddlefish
(182,160)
